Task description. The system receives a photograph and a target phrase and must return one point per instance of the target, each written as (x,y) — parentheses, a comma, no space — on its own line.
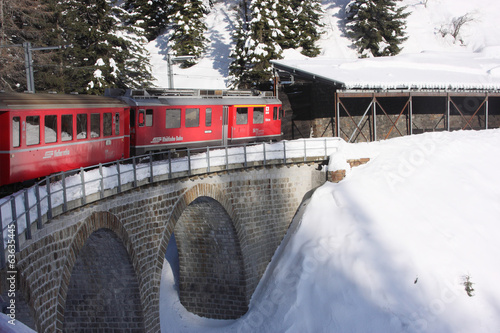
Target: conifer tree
(21,21)
(187,28)
(251,58)
(105,52)
(150,15)
(308,26)
(302,25)
(240,63)
(376,26)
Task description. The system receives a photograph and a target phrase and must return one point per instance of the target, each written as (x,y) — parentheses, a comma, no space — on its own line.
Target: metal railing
(29,209)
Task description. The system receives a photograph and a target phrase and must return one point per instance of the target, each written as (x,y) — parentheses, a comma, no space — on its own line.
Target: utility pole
(28,60)
(170,61)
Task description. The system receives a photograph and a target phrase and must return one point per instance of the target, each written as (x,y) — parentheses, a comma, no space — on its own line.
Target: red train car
(41,134)
(169,119)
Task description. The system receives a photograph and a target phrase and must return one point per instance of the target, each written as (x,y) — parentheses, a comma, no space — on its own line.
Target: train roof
(155,97)
(19,101)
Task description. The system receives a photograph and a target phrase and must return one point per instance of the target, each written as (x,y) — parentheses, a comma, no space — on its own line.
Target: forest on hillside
(86,46)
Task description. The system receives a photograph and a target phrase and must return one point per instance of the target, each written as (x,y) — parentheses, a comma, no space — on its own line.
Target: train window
(50,129)
(81,126)
(117,124)
(16,131)
(107,124)
(208,117)
(241,116)
(95,125)
(282,113)
(258,115)
(67,127)
(32,130)
(173,117)
(192,117)
(275,113)
(149,118)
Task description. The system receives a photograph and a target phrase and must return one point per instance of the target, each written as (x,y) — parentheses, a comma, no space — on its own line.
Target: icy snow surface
(388,249)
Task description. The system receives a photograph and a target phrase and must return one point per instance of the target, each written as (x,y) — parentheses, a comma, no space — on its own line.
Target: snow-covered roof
(426,70)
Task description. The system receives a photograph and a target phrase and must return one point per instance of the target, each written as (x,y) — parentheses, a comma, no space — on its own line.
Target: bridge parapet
(28,211)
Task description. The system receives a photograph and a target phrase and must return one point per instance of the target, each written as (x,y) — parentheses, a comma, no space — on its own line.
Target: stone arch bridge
(98,266)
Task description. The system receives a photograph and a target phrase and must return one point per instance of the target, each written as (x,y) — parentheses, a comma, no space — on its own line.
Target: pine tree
(150,15)
(187,28)
(21,21)
(240,63)
(105,52)
(251,65)
(308,26)
(302,25)
(376,26)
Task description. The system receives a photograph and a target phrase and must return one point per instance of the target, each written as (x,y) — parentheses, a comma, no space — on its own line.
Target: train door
(225,127)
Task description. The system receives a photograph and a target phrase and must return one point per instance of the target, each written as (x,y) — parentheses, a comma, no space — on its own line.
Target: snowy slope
(388,249)
(424,25)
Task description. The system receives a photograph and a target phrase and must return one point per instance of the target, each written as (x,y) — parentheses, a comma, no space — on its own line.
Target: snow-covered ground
(388,249)
(424,27)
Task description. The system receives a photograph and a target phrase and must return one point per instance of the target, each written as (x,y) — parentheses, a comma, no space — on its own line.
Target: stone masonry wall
(103,293)
(261,203)
(212,276)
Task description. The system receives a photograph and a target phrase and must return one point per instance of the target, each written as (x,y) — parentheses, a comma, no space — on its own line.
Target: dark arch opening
(103,292)
(211,270)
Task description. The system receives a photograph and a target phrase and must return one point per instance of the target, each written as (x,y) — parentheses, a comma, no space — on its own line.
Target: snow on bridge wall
(258,203)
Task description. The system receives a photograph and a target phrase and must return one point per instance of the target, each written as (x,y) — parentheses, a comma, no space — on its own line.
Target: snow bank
(6,325)
(386,250)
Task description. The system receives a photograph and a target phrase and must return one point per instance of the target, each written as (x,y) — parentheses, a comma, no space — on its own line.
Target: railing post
(305,151)
(245,155)
(284,152)
(119,177)
(84,195)
(27,214)
(189,161)
(151,176)
(102,181)
(264,152)
(134,166)
(326,150)
(39,223)
(14,221)
(227,159)
(65,199)
(49,199)
(169,165)
(208,160)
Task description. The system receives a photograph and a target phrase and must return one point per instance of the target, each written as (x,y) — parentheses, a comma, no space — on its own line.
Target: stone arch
(212,277)
(104,225)
(211,194)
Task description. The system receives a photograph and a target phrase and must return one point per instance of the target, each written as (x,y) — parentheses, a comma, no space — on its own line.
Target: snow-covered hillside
(424,31)
(390,248)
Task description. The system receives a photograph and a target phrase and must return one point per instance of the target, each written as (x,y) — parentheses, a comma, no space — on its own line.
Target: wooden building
(363,100)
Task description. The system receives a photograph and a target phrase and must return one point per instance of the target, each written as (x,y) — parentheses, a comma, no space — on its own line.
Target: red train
(41,134)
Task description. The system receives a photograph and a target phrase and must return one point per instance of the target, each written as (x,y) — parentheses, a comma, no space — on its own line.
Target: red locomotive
(41,134)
